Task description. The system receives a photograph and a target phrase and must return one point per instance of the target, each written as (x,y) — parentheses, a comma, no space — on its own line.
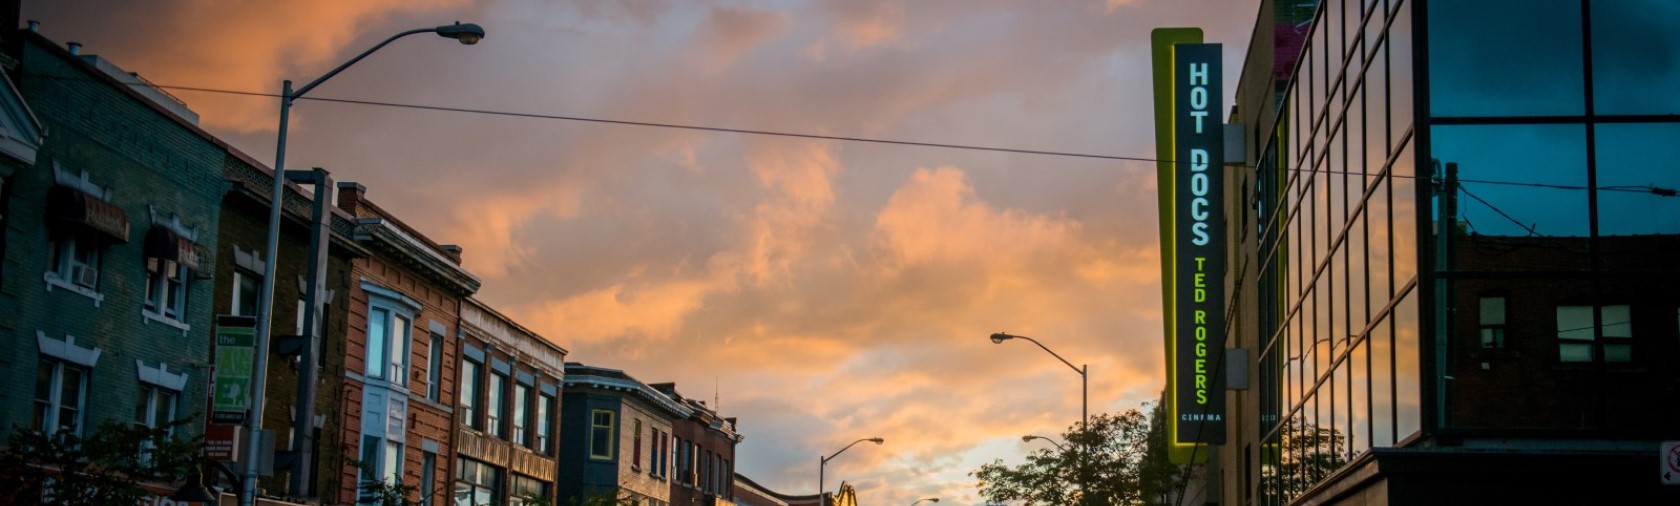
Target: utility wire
(1655,190)
(1529,228)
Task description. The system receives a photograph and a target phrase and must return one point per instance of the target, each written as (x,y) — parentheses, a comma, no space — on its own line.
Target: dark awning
(164,244)
(74,208)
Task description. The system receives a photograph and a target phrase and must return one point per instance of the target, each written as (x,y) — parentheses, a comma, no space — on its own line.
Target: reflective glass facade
(1336,231)
(1455,233)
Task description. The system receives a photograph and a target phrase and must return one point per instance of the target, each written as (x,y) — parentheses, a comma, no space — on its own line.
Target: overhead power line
(1655,190)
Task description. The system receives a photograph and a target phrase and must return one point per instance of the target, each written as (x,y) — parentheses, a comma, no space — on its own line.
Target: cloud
(730,32)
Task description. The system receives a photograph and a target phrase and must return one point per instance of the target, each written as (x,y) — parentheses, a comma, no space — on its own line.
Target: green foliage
(107,466)
(1119,459)
(1309,453)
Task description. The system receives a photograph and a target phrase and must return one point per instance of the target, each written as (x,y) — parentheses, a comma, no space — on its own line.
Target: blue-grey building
(105,292)
(617,439)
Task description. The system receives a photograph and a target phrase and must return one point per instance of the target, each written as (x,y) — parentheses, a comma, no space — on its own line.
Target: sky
(821,291)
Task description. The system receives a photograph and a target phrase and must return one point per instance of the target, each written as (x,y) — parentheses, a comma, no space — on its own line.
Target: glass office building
(1455,253)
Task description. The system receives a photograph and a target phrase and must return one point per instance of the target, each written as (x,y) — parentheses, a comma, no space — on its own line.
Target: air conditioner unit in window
(84,275)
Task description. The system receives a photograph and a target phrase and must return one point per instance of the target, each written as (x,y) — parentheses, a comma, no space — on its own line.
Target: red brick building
(508,414)
(404,306)
(704,452)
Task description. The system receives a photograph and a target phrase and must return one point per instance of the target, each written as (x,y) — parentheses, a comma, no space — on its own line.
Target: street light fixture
(823,463)
(1029,437)
(929,499)
(1084,389)
(466,33)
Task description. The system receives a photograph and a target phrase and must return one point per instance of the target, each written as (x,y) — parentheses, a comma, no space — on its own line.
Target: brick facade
(407,274)
(590,389)
(498,344)
(159,170)
(243,234)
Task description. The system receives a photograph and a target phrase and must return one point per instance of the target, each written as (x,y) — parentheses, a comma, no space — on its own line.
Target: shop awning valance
(166,245)
(73,208)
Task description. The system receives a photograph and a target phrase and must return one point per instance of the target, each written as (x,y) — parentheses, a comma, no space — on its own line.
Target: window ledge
(53,280)
(148,316)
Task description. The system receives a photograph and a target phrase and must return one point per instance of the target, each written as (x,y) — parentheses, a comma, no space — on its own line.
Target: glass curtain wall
(1554,145)
(1336,193)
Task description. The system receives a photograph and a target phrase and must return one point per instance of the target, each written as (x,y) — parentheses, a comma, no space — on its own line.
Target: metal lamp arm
(1053,354)
(329,75)
(842,450)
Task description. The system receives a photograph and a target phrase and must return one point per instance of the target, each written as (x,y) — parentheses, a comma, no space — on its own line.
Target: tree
(1119,459)
(108,466)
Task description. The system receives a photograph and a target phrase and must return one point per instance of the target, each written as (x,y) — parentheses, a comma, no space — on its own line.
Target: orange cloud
(253,46)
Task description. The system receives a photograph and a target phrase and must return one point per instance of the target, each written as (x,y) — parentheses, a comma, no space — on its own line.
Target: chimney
(34,26)
(453,251)
(350,196)
(732,424)
(75,48)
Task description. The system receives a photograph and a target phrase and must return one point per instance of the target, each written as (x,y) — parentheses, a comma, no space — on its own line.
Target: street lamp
(929,499)
(823,463)
(1029,437)
(1084,390)
(467,34)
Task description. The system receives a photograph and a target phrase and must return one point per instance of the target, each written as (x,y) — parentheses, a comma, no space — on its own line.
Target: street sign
(235,352)
(1670,454)
(221,442)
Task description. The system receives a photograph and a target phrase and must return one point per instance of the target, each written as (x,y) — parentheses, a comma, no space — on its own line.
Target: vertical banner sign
(235,352)
(1199,245)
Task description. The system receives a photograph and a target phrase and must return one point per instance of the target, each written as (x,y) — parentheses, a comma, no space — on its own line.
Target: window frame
(392,362)
(167,289)
(602,433)
(495,404)
(544,432)
(47,420)
(519,416)
(1497,331)
(469,394)
(434,366)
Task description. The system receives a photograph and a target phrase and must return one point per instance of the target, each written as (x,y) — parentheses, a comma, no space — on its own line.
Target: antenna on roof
(715,404)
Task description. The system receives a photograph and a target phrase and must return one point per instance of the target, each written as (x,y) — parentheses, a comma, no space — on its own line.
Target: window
(434,368)
(245,296)
(476,482)
(155,407)
(166,288)
(428,474)
(75,262)
(525,488)
(545,408)
(387,346)
(636,446)
(521,397)
(493,410)
(469,392)
(1492,311)
(601,434)
(60,394)
(381,462)
(1576,333)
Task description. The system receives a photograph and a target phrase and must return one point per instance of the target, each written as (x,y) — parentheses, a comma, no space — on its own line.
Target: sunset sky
(829,290)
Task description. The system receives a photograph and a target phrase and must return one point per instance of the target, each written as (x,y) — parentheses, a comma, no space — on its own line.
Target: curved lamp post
(1084,389)
(468,34)
(823,463)
(929,499)
(1029,437)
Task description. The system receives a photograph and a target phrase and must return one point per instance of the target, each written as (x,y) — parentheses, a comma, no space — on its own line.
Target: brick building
(508,414)
(238,274)
(105,285)
(618,438)
(704,451)
(396,408)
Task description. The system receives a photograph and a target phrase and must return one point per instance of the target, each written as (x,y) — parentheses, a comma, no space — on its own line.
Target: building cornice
(384,237)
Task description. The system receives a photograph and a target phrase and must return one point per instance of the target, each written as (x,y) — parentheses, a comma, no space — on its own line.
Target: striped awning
(74,208)
(164,245)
